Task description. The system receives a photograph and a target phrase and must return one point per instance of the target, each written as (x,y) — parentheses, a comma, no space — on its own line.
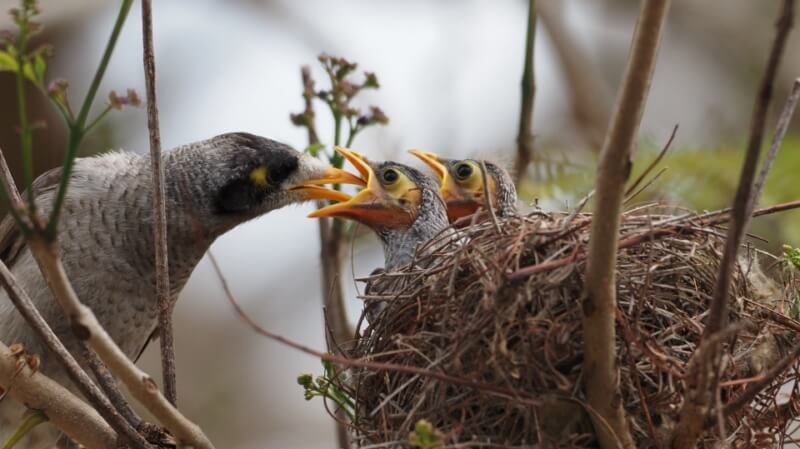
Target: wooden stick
(69,414)
(703,384)
(159,212)
(599,296)
(525,135)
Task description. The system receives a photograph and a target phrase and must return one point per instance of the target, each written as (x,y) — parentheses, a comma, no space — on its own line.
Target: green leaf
(792,255)
(39,67)
(314,148)
(7,62)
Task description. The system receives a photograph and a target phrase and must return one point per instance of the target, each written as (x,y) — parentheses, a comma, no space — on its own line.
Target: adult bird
(463,185)
(399,203)
(105,234)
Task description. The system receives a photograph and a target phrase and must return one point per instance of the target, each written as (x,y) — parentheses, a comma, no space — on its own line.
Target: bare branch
(86,326)
(599,296)
(703,383)
(68,413)
(26,308)
(780,131)
(742,202)
(159,212)
(525,135)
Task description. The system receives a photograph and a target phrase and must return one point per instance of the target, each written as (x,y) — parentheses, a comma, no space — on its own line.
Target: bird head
(237,176)
(463,186)
(398,202)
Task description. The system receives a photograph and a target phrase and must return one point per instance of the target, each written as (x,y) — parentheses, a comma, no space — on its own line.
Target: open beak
(311,189)
(369,206)
(448,189)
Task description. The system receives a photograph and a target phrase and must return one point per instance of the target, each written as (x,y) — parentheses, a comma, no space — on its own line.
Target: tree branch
(159,212)
(68,413)
(599,296)
(525,135)
(705,382)
(28,310)
(741,203)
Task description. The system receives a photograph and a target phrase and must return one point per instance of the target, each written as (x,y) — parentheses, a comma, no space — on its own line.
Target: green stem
(26,138)
(28,423)
(97,119)
(78,130)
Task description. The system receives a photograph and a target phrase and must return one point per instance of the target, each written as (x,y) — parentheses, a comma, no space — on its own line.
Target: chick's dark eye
(390,176)
(463,171)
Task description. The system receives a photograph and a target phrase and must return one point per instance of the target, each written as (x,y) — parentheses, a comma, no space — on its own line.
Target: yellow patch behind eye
(405,191)
(259,176)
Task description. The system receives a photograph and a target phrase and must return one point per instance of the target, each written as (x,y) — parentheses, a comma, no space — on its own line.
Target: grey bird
(462,185)
(400,204)
(106,235)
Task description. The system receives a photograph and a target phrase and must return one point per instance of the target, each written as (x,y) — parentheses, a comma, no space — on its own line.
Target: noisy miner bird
(399,203)
(462,185)
(106,234)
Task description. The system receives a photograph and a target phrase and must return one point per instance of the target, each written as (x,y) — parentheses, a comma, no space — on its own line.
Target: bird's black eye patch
(239,196)
(390,176)
(463,171)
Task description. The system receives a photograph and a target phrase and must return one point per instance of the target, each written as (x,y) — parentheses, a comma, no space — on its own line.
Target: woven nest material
(506,349)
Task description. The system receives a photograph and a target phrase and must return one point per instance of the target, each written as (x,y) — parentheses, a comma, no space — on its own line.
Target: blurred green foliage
(698,178)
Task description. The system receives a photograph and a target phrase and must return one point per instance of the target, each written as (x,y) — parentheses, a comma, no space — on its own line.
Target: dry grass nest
(489,321)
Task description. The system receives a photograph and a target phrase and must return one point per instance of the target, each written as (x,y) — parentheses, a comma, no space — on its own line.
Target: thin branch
(780,132)
(599,296)
(358,363)
(77,129)
(69,414)
(653,164)
(525,135)
(742,201)
(109,386)
(159,212)
(28,310)
(85,384)
(753,389)
(702,384)
(86,327)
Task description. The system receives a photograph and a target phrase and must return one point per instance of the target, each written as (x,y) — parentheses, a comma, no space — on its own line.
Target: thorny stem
(599,302)
(77,129)
(525,135)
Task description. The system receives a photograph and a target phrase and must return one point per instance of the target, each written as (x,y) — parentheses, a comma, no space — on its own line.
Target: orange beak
(371,205)
(311,190)
(457,205)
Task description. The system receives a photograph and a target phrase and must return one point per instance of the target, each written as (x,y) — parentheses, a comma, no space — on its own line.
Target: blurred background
(450,82)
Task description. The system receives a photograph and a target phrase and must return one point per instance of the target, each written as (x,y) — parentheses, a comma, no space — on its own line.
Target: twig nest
(494,312)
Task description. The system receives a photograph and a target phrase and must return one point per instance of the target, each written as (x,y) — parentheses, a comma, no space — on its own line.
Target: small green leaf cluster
(31,66)
(425,436)
(324,387)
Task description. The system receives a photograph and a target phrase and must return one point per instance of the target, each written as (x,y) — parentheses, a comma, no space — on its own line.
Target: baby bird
(462,185)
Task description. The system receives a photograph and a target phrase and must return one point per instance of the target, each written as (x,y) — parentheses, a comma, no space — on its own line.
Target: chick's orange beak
(369,206)
(449,190)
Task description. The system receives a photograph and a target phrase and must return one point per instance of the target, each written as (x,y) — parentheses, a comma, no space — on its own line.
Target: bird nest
(486,325)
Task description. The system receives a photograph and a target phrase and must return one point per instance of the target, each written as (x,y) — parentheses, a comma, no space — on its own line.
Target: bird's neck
(188,179)
(400,245)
